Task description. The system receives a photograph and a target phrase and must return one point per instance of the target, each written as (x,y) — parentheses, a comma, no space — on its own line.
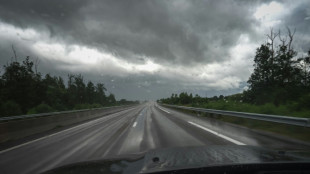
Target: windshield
(89,80)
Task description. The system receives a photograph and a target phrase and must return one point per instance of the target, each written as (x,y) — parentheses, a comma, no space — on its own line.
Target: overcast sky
(149,49)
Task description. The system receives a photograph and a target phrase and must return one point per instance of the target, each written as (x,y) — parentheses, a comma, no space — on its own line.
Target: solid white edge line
(163,110)
(134,124)
(50,135)
(218,134)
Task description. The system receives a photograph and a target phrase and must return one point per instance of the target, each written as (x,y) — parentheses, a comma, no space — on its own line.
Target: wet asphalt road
(134,130)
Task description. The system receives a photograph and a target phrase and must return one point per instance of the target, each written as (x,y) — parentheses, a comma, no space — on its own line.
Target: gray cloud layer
(182,32)
(299,19)
(199,45)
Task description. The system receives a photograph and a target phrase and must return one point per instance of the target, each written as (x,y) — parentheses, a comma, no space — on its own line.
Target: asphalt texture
(134,130)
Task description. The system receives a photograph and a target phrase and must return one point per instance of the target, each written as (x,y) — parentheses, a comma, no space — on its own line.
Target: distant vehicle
(211,159)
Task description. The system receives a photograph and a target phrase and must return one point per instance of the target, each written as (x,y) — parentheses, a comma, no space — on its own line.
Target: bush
(41,108)
(10,108)
(59,107)
(268,108)
(304,101)
(96,105)
(81,106)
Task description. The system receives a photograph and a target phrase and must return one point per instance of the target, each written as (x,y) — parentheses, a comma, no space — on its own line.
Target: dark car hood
(184,158)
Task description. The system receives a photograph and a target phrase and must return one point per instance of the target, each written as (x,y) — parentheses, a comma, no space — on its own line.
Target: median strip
(218,134)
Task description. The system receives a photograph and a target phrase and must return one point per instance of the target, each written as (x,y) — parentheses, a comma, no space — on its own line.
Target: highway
(146,126)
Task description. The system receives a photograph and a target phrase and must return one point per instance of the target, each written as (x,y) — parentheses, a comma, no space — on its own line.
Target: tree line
(185,98)
(23,90)
(280,78)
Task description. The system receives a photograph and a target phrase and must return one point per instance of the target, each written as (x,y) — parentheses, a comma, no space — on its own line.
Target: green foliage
(111,99)
(298,108)
(23,90)
(280,84)
(41,108)
(125,102)
(278,75)
(82,106)
(95,105)
(21,84)
(304,101)
(10,108)
(184,99)
(90,92)
(54,91)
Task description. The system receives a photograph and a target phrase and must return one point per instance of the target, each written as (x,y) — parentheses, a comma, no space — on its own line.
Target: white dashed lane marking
(218,134)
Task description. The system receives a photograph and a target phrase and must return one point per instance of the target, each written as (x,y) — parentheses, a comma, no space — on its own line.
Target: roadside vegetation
(279,84)
(296,108)
(24,90)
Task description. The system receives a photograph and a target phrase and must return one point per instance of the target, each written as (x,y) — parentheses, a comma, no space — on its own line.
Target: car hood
(183,158)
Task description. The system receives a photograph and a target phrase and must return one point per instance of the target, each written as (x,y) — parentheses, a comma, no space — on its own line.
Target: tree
(100,95)
(221,97)
(278,76)
(54,92)
(80,89)
(76,90)
(90,92)
(304,65)
(10,108)
(184,98)
(111,99)
(20,84)
(22,90)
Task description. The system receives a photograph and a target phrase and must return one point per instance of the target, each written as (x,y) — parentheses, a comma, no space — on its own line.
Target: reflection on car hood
(184,158)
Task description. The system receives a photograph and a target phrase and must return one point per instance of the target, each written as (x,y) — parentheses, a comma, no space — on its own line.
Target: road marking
(218,134)
(50,135)
(163,109)
(135,124)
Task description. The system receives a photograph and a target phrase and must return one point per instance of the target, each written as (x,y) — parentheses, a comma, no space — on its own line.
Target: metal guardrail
(4,119)
(264,117)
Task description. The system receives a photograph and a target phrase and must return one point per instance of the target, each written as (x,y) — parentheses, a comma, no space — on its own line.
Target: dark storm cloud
(299,19)
(204,47)
(180,32)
